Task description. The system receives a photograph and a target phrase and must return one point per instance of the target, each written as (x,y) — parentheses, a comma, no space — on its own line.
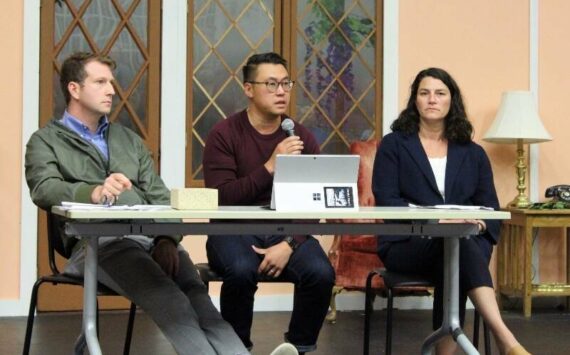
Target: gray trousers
(180,306)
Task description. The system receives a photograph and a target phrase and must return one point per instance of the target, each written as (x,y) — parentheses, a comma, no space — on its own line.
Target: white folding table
(241,220)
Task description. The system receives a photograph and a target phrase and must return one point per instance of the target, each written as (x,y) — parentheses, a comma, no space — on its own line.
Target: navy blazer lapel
(455,156)
(414,147)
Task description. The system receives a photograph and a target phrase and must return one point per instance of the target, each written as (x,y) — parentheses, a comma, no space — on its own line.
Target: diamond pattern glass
(75,42)
(234,7)
(256,22)
(126,51)
(77,3)
(357,127)
(139,20)
(212,74)
(97,29)
(124,118)
(63,18)
(336,103)
(125,4)
(225,33)
(234,50)
(138,99)
(336,70)
(101,19)
(232,98)
(212,23)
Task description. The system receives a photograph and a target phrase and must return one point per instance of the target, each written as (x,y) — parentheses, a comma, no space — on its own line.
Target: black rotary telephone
(558,192)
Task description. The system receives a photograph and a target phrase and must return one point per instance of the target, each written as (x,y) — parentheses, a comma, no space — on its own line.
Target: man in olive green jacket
(85,158)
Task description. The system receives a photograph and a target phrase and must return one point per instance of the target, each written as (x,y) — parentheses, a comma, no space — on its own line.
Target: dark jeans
(308,268)
(424,256)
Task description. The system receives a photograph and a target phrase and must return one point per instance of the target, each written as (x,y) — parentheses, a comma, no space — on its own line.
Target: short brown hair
(73,69)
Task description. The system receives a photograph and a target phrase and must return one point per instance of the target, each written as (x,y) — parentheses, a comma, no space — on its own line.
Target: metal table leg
(89,331)
(451,325)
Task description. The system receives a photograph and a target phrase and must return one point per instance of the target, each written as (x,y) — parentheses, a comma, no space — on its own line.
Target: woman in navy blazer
(430,159)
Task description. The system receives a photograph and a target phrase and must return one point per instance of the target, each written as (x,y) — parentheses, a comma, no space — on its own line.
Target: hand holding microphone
(290,145)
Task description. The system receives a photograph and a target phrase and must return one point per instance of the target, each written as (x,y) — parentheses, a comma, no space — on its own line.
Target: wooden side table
(514,255)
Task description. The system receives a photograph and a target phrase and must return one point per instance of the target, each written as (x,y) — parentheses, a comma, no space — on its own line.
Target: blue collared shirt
(97,138)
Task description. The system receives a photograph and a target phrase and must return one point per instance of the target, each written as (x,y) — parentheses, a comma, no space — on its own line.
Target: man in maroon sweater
(239,160)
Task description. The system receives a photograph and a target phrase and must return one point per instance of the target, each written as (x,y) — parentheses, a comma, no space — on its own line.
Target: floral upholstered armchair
(354,256)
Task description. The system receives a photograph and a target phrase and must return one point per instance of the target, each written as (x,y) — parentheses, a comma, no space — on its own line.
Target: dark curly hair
(458,129)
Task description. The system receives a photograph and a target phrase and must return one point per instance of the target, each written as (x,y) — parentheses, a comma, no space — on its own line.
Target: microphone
(288,126)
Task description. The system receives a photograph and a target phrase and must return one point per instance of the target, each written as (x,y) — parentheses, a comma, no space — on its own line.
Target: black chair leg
(389,310)
(486,335)
(476,321)
(31,316)
(368,300)
(130,326)
(487,338)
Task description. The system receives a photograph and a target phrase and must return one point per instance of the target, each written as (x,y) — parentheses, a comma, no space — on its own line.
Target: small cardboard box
(194,199)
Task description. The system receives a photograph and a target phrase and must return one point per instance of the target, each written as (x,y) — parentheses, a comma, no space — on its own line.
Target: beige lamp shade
(517,119)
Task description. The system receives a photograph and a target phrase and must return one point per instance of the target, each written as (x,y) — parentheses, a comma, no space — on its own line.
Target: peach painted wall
(554,81)
(11,42)
(477,46)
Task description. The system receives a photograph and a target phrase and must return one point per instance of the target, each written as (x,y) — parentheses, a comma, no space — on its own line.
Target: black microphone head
(288,126)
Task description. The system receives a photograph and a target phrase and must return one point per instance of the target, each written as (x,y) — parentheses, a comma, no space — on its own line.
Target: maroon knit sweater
(234,157)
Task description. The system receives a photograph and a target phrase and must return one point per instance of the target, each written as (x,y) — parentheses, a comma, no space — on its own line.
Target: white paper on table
(454,207)
(90,206)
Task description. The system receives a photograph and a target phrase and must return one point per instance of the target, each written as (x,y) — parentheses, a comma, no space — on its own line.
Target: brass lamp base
(521,201)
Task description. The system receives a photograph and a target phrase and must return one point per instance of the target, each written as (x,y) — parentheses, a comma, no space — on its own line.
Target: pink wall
(11,40)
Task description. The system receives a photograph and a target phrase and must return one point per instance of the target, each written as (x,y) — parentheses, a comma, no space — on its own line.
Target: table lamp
(517,121)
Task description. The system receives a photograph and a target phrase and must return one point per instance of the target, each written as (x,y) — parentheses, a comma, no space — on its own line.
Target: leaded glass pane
(76,3)
(335,145)
(234,50)
(316,25)
(225,33)
(207,121)
(198,5)
(212,74)
(75,42)
(315,77)
(356,77)
(336,63)
(63,18)
(234,7)
(126,52)
(101,18)
(212,23)
(200,49)
(199,101)
(139,19)
(232,98)
(336,103)
(138,99)
(356,127)
(125,4)
(197,154)
(318,125)
(257,22)
(124,118)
